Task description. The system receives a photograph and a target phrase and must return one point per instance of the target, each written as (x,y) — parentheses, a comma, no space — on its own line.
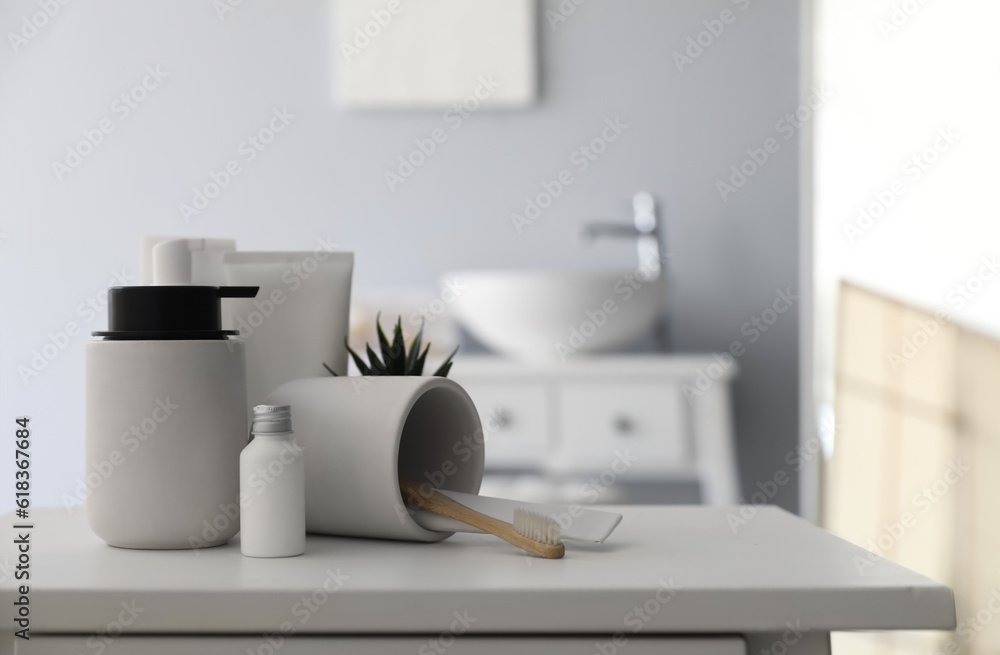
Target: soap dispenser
(165,419)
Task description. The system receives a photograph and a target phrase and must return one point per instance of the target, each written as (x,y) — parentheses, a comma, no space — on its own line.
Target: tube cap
(169,312)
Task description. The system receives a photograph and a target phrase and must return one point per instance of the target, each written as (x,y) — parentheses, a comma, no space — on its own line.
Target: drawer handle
(624,425)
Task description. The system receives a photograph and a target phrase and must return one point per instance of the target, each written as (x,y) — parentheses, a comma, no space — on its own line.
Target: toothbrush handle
(427,498)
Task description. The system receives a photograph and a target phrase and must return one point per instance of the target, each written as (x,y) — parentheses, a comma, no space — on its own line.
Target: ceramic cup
(359,434)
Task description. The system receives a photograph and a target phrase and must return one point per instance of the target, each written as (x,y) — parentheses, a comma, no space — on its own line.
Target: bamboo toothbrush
(530,531)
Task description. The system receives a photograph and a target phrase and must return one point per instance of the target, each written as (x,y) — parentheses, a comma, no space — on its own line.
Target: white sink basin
(547,316)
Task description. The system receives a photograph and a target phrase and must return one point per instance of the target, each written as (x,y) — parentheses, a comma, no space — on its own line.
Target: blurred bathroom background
(722,251)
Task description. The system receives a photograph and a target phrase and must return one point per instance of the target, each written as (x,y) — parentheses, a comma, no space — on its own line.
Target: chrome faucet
(650,248)
(645,229)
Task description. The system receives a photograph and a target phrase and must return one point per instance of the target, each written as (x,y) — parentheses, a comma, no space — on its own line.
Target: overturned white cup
(360,434)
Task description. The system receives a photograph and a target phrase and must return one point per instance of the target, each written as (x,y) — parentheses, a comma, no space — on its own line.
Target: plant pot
(360,434)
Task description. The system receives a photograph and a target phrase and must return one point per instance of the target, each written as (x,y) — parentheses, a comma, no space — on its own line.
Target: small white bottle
(272,487)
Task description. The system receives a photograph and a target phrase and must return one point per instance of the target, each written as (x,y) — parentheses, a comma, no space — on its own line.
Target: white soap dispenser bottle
(166,419)
(272,487)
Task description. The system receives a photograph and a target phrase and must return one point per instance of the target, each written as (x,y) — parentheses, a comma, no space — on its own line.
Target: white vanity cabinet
(648,417)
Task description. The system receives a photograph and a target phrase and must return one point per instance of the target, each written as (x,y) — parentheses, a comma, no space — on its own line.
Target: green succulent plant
(396,359)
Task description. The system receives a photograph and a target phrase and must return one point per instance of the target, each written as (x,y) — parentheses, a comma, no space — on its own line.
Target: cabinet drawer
(600,420)
(515,419)
(409,645)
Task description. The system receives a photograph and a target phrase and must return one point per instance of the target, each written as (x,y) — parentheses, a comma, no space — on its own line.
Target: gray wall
(324,175)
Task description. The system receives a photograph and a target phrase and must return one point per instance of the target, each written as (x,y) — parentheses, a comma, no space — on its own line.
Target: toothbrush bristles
(536,527)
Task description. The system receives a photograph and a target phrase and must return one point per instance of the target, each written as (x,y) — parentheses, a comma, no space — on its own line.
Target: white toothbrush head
(537,527)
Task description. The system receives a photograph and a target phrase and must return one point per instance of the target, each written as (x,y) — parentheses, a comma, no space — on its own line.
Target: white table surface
(776,570)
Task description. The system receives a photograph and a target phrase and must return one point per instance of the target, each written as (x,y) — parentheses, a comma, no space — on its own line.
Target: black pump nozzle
(238,292)
(169,312)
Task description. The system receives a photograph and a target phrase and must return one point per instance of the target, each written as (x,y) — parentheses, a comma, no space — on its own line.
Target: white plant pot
(359,434)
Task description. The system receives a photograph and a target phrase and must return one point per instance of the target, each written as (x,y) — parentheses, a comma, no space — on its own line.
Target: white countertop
(775,570)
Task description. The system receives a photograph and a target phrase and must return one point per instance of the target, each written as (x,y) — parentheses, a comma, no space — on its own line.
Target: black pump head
(169,312)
